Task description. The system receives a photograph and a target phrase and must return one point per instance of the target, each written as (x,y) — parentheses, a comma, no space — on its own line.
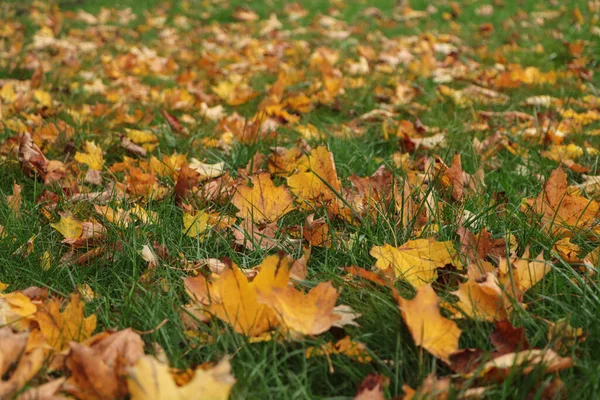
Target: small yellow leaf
(69,227)
(46,260)
(92,156)
(196,225)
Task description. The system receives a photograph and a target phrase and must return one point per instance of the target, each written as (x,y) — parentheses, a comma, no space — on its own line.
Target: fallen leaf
(59,328)
(69,227)
(416,260)
(429,329)
(148,379)
(263,202)
(562,212)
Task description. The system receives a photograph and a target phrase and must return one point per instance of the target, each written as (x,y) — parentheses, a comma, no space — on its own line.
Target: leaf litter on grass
(115,112)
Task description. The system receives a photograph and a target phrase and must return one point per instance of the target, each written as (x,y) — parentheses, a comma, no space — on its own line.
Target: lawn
(327,199)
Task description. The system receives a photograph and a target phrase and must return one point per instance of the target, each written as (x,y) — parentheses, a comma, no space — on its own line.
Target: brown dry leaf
(47,391)
(316,231)
(561,212)
(149,379)
(416,260)
(429,329)
(371,388)
(263,202)
(525,361)
(14,353)
(31,157)
(14,201)
(60,328)
(455,177)
(98,366)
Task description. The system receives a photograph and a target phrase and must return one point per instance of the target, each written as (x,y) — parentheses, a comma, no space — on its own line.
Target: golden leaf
(483,299)
(263,202)
(196,225)
(92,156)
(59,328)
(16,310)
(150,380)
(316,180)
(429,329)
(234,300)
(309,313)
(69,227)
(416,260)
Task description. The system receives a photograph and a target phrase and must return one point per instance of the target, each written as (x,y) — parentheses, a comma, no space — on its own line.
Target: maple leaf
(92,156)
(98,366)
(316,181)
(149,379)
(16,310)
(69,227)
(235,301)
(263,202)
(196,225)
(309,313)
(429,329)
(483,298)
(59,328)
(561,212)
(416,260)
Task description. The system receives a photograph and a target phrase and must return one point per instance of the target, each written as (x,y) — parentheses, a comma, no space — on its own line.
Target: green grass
(280,370)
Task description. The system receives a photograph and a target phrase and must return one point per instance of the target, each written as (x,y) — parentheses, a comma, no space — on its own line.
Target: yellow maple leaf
(92,156)
(316,179)
(235,301)
(149,379)
(16,310)
(263,202)
(69,227)
(483,299)
(429,329)
(309,313)
(59,328)
(43,98)
(416,260)
(197,224)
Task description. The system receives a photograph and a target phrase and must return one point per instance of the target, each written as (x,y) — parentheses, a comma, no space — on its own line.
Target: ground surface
(330,126)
